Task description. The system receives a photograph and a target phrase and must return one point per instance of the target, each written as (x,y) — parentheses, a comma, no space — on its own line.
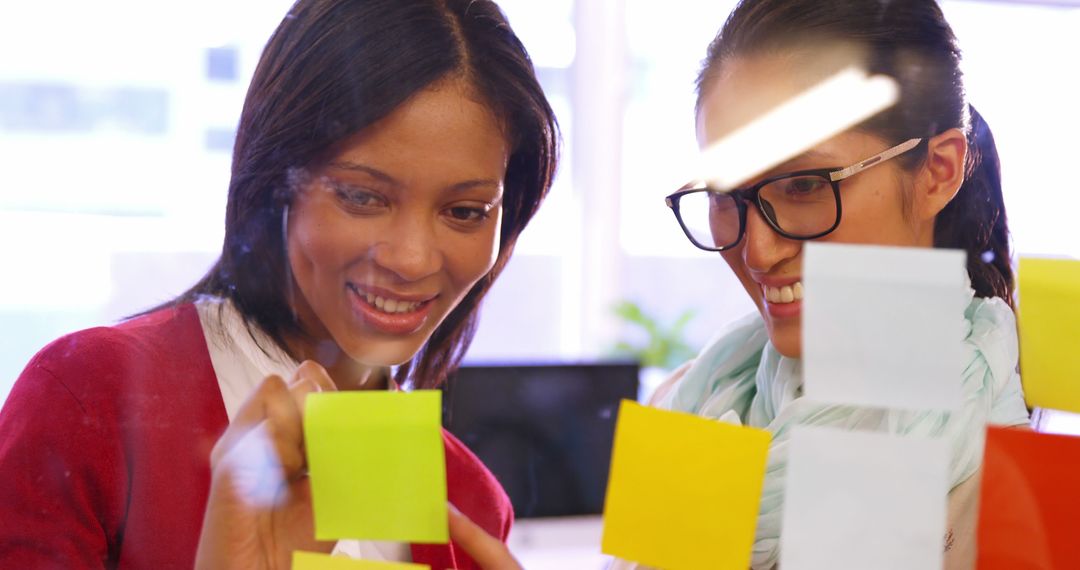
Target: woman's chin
(790,351)
(384,355)
(786,338)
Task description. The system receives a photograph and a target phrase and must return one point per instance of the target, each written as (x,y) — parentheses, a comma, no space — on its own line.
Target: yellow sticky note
(314,561)
(1050,332)
(683,490)
(377,465)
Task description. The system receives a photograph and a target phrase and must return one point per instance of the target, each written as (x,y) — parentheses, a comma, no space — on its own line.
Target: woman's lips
(390,314)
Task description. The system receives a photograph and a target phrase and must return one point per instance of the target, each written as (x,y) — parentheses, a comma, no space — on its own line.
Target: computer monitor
(544,430)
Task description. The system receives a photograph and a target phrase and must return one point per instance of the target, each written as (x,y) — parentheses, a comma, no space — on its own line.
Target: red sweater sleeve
(104,448)
(61,468)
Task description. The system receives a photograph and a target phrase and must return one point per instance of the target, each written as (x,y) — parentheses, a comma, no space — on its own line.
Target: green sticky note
(377,466)
(1049,296)
(314,561)
(683,492)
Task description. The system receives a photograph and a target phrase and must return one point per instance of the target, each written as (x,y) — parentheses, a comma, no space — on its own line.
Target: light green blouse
(740,378)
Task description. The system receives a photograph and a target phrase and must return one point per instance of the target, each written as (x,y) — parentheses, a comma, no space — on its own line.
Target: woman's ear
(942,173)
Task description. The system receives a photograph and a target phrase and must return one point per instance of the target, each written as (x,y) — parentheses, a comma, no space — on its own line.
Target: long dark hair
(910,41)
(334,67)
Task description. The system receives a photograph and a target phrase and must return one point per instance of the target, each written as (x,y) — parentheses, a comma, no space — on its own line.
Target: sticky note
(1049,313)
(1056,421)
(1029,501)
(858,500)
(883,326)
(683,491)
(316,561)
(377,466)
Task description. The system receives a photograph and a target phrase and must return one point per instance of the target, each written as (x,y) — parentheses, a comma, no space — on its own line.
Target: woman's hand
(259,509)
(489,552)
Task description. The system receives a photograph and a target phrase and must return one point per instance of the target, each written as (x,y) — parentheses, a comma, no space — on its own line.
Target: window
(116,142)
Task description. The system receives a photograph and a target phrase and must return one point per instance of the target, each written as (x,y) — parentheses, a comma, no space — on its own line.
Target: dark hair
(910,41)
(334,67)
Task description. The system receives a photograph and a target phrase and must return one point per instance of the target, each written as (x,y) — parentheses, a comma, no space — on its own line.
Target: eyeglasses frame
(753,194)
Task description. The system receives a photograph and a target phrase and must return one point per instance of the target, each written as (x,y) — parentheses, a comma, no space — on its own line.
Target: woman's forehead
(745,87)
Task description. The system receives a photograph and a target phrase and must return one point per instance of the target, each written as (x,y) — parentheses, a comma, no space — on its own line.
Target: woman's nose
(409,248)
(763,248)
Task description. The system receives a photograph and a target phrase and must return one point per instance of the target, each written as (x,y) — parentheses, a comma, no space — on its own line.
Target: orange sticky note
(316,561)
(1029,510)
(683,491)
(1050,332)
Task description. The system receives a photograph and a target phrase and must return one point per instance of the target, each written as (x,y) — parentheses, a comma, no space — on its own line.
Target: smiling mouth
(783,295)
(389,305)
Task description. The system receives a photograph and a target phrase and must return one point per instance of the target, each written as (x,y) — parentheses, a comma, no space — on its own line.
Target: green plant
(664,347)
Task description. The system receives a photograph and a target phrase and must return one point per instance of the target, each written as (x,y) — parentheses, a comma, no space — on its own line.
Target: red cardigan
(105,443)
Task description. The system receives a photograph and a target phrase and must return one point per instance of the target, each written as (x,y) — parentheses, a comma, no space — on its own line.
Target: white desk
(558,543)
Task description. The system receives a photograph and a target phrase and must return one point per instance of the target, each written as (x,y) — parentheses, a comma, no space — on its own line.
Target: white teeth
(390,305)
(785,294)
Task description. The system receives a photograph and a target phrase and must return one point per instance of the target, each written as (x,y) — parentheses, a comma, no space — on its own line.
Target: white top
(240,364)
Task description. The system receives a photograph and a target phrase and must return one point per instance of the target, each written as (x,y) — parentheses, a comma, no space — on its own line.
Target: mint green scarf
(740,378)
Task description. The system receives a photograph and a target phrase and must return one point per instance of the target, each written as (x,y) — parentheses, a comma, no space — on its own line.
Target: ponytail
(975,220)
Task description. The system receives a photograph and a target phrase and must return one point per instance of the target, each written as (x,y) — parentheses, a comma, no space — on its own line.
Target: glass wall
(117,121)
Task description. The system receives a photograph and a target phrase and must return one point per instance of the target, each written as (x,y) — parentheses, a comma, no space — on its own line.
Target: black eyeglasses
(798,205)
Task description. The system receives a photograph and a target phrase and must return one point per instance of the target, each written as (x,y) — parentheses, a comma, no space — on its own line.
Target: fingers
(489,552)
(275,411)
(251,413)
(258,467)
(285,417)
(312,371)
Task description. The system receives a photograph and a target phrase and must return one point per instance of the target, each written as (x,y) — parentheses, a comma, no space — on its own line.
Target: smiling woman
(381,251)
(388,156)
(922,173)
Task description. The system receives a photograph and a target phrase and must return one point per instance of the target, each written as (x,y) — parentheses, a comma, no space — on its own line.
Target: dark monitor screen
(544,430)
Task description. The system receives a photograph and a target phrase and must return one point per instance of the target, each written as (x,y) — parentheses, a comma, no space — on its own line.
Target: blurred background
(117,120)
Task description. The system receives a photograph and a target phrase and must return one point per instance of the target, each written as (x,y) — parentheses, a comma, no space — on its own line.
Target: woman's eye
(468,214)
(354,197)
(804,186)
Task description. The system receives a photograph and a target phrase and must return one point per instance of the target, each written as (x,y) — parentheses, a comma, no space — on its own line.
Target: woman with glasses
(922,173)
(388,155)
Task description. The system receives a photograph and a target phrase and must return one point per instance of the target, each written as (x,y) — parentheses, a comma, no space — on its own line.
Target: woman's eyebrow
(789,165)
(371,171)
(384,177)
(476,183)
(810,155)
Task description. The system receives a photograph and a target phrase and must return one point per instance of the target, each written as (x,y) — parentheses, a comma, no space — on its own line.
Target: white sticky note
(883,326)
(857,500)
